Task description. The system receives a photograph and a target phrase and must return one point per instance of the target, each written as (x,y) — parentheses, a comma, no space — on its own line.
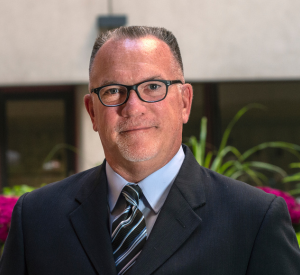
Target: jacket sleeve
(13,258)
(275,250)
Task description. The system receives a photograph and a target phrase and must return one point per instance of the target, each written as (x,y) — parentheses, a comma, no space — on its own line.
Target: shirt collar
(155,187)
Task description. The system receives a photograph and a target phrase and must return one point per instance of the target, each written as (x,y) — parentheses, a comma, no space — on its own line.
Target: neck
(137,171)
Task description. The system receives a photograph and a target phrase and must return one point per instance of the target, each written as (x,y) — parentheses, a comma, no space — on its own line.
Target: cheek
(171,117)
(175,110)
(106,122)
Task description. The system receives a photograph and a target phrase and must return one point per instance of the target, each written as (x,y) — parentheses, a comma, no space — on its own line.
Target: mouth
(135,129)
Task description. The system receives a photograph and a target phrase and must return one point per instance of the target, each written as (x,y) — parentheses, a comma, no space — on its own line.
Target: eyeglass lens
(149,91)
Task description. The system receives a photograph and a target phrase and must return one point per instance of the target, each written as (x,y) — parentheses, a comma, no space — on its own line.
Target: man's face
(138,131)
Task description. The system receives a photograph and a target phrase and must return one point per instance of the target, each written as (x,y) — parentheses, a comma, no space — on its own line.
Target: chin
(137,153)
(136,158)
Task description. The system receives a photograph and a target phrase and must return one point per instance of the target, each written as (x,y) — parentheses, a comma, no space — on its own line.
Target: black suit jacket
(209,224)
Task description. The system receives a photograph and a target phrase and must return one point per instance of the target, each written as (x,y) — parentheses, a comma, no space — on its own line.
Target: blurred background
(234,53)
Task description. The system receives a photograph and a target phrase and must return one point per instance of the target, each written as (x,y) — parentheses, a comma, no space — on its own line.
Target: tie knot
(132,194)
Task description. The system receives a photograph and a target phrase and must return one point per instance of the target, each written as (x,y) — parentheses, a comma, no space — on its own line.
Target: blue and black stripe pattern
(128,230)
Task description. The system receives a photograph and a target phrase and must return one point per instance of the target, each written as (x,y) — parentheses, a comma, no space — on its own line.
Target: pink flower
(6,207)
(293,206)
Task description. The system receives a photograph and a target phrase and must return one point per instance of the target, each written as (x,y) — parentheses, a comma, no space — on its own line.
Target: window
(37,137)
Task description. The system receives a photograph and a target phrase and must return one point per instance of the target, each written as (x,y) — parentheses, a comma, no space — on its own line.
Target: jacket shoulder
(234,190)
(63,191)
(218,189)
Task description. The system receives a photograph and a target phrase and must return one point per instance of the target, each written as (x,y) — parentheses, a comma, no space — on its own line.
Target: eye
(113,91)
(154,86)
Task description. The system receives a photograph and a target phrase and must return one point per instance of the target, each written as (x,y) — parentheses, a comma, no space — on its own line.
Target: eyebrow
(115,82)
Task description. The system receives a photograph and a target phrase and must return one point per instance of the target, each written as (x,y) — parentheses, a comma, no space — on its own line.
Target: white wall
(46,41)
(228,39)
(50,41)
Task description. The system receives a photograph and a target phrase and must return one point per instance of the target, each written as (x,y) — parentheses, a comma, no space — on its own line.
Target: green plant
(298,237)
(7,202)
(294,178)
(229,161)
(58,147)
(17,190)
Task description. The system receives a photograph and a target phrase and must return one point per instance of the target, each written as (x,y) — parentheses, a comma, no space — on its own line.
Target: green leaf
(253,175)
(237,174)
(295,177)
(208,158)
(239,114)
(293,148)
(231,171)
(221,154)
(267,166)
(298,238)
(202,140)
(17,190)
(230,162)
(261,176)
(225,166)
(237,167)
(195,148)
(294,192)
(295,165)
(198,148)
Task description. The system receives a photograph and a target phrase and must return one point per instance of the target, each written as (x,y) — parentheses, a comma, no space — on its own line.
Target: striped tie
(128,231)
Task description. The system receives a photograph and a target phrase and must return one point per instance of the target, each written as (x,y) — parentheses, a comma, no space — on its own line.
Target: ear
(89,105)
(187,97)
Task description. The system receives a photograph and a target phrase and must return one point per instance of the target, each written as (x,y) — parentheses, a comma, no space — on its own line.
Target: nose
(133,106)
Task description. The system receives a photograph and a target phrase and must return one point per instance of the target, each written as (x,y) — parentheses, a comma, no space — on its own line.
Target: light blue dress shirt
(155,188)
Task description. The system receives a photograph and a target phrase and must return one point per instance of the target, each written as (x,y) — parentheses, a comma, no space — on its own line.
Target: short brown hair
(135,32)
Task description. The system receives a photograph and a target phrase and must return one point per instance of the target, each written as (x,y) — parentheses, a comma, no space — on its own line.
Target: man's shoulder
(234,201)
(64,190)
(237,200)
(220,185)
(219,188)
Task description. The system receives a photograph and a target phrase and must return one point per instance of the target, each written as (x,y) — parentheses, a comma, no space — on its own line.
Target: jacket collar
(177,219)
(90,221)
(175,223)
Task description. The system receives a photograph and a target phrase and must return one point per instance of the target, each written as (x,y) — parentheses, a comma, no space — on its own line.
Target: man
(149,208)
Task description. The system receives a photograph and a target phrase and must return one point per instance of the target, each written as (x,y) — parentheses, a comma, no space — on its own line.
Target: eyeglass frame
(135,88)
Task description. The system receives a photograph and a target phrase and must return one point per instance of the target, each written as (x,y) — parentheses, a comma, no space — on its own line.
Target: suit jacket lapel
(90,222)
(177,219)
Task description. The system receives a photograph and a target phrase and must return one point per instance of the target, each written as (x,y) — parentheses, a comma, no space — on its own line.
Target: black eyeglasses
(148,91)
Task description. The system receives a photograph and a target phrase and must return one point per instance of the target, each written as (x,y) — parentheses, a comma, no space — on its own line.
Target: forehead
(133,60)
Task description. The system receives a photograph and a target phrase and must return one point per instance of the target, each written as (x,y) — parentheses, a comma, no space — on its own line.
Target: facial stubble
(130,143)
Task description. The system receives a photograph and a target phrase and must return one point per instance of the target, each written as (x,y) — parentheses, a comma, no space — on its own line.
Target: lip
(135,129)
